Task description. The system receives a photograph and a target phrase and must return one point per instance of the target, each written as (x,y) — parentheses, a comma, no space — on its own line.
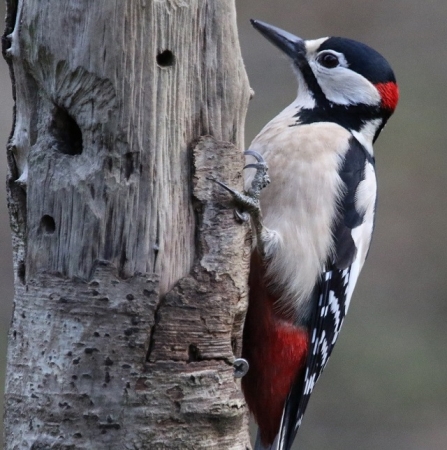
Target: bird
(312,215)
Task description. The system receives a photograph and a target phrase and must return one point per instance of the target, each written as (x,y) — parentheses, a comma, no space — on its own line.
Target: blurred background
(385,387)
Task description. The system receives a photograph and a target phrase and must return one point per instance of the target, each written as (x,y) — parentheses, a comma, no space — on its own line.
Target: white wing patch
(352,237)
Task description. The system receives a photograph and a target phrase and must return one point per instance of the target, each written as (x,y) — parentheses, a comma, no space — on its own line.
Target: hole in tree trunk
(21,271)
(193,353)
(66,132)
(47,224)
(128,165)
(165,58)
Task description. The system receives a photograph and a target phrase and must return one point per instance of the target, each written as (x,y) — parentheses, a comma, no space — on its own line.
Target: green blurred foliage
(385,386)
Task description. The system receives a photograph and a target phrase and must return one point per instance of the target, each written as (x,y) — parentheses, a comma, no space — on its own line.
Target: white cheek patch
(343,86)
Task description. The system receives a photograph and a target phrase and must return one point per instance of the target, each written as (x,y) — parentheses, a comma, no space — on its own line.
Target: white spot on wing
(310,383)
(334,304)
(324,350)
(365,200)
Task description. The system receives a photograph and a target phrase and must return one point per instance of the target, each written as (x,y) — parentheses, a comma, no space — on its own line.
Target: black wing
(331,295)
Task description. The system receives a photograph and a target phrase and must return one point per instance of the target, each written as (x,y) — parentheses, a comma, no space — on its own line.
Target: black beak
(291,45)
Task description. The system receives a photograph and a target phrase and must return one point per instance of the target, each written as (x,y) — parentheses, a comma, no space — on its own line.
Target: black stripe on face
(351,117)
(361,59)
(302,64)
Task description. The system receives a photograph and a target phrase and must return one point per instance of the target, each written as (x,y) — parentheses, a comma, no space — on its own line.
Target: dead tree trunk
(129,267)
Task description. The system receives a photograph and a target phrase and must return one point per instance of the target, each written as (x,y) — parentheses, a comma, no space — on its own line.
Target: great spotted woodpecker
(313,223)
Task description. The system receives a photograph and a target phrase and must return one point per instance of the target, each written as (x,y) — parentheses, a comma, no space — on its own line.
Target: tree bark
(130,270)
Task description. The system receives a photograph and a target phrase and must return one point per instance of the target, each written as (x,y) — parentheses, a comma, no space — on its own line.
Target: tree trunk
(130,270)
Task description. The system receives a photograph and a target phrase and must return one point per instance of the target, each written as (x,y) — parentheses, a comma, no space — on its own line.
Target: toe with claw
(248,202)
(261,178)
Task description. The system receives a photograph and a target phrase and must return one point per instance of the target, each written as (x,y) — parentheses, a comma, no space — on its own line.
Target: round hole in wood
(47,224)
(165,58)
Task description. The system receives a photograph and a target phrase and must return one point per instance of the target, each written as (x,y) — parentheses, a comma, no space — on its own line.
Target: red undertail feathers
(276,351)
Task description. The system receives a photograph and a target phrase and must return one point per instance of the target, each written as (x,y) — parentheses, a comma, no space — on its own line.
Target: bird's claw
(248,202)
(256,155)
(261,178)
(260,164)
(241,216)
(254,166)
(230,190)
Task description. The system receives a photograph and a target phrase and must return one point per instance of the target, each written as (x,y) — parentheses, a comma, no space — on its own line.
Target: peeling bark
(130,270)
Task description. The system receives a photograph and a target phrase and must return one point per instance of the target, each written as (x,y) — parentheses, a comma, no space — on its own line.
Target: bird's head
(339,80)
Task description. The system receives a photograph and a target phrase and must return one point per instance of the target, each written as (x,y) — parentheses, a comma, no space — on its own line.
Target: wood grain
(130,271)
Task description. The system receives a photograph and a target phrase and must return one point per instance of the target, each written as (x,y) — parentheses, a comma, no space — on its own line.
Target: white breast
(299,204)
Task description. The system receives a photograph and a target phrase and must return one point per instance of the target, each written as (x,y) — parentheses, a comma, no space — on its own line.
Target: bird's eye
(328,60)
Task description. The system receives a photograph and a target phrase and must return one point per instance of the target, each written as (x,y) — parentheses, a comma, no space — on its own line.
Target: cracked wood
(130,271)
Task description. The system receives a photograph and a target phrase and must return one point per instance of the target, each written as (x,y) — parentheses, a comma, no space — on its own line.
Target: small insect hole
(193,353)
(21,271)
(47,224)
(165,58)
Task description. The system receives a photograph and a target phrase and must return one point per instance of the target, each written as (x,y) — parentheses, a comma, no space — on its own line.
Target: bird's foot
(261,178)
(248,202)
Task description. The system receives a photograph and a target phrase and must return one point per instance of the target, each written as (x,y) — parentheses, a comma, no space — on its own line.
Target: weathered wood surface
(129,267)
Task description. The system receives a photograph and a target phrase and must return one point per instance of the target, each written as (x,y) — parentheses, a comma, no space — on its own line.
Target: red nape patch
(276,351)
(389,92)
